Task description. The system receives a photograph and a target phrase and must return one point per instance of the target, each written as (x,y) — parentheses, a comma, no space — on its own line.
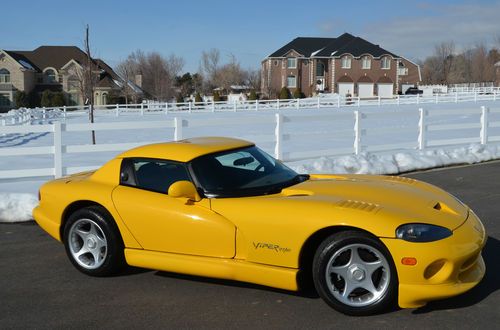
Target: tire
(93,243)
(354,273)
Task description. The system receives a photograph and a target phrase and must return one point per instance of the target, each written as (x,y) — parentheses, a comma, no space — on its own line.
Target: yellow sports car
(221,207)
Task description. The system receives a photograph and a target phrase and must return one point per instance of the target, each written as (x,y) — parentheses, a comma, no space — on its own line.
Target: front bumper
(444,268)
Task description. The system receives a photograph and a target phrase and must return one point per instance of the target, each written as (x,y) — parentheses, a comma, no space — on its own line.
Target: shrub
(252,96)
(21,99)
(197,98)
(217,96)
(179,98)
(46,100)
(57,99)
(297,94)
(285,93)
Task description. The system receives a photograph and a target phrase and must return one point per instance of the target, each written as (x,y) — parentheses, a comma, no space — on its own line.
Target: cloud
(415,36)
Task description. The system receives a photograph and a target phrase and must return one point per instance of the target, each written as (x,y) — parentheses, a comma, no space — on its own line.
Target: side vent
(361,206)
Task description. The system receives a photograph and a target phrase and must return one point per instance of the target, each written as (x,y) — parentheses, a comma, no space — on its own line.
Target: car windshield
(242,172)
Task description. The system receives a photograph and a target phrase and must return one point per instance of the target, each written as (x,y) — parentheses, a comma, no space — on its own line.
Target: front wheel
(93,243)
(354,273)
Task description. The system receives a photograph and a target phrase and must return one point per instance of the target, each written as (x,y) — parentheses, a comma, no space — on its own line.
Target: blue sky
(250,30)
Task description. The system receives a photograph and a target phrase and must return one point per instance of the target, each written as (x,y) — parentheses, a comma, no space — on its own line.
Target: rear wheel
(354,273)
(93,243)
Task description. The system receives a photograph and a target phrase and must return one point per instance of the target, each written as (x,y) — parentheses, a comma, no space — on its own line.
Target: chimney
(138,80)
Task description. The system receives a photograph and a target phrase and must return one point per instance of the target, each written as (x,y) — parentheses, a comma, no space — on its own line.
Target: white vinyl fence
(325,101)
(362,129)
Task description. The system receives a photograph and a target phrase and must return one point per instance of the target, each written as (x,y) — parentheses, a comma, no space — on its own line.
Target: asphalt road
(40,289)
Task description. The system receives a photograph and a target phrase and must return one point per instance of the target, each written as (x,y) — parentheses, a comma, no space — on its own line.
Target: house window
(50,76)
(291,63)
(4,76)
(346,62)
(320,70)
(366,62)
(385,63)
(4,99)
(104,98)
(291,81)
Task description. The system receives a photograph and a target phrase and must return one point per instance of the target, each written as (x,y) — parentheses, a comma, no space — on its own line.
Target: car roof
(185,150)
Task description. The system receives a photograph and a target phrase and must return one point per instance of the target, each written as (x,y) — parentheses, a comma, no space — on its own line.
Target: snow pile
(16,207)
(398,162)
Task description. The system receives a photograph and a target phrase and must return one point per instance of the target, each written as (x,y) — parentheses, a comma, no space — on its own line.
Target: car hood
(413,200)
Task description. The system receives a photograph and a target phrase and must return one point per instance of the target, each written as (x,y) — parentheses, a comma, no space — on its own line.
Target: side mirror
(184,189)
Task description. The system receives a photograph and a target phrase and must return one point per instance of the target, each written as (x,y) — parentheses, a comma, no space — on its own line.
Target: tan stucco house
(343,65)
(54,68)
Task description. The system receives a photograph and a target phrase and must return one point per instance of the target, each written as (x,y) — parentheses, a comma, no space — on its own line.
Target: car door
(166,224)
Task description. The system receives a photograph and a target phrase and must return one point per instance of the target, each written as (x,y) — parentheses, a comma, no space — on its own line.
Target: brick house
(343,65)
(54,68)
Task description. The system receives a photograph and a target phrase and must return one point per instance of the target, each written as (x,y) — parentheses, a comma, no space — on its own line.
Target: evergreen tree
(252,96)
(285,94)
(297,94)
(197,98)
(46,100)
(216,96)
(179,98)
(21,100)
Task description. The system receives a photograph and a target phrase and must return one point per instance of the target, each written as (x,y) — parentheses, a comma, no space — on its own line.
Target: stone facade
(54,68)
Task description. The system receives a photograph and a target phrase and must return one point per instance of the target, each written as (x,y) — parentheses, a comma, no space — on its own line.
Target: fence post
(379,101)
(64,111)
(494,95)
(456,97)
(475,96)
(398,100)
(277,104)
(298,103)
(117,110)
(278,148)
(58,148)
(234,106)
(256,105)
(213,106)
(318,103)
(338,101)
(359,101)
(166,108)
(357,132)
(189,106)
(437,98)
(422,139)
(142,109)
(418,98)
(484,125)
(178,123)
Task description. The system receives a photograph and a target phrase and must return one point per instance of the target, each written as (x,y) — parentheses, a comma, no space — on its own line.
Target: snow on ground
(18,197)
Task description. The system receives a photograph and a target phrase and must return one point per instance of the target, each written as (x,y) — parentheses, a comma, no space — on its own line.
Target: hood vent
(401,179)
(357,205)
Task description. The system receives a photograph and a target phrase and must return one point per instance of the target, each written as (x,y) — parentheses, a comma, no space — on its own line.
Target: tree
(252,96)
(127,70)
(197,98)
(217,96)
(285,93)
(21,99)
(297,94)
(46,100)
(57,99)
(158,73)
(209,68)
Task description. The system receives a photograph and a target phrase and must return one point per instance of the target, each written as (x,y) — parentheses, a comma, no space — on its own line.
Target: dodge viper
(223,208)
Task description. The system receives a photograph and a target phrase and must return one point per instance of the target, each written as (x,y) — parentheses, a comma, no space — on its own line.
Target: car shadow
(487,286)
(306,292)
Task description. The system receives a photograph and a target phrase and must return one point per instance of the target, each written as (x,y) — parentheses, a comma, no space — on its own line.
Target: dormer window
(346,62)
(291,63)
(4,76)
(385,63)
(366,62)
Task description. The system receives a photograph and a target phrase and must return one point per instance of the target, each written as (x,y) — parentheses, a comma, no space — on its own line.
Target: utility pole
(90,81)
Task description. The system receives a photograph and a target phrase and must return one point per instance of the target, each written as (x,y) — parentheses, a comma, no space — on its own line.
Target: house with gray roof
(347,65)
(55,68)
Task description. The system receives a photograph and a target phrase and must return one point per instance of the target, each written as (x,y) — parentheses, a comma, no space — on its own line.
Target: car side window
(155,175)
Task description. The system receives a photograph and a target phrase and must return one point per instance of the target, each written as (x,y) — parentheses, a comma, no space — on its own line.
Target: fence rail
(25,116)
(281,138)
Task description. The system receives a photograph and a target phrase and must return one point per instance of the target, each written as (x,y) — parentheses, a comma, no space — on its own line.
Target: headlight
(421,232)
